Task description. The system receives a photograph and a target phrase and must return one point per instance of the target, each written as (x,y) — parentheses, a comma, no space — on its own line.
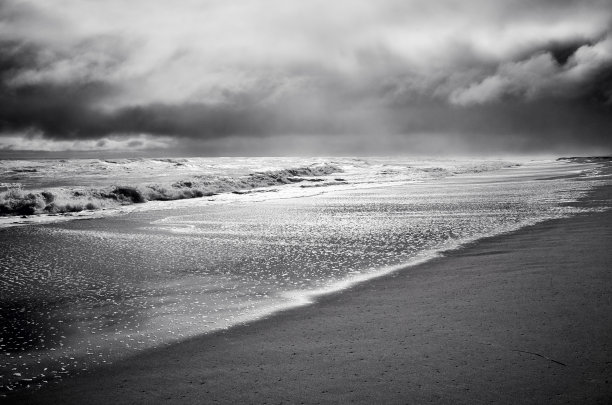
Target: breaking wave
(16,201)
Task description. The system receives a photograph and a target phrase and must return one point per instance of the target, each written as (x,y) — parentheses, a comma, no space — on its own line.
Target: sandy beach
(305,202)
(524,317)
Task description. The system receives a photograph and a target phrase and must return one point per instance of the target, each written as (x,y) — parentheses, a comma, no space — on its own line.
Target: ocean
(101,259)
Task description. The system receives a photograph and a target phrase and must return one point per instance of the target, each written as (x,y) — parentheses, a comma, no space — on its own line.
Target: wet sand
(519,318)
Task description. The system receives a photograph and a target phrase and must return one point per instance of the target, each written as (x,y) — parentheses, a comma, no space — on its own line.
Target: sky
(306,77)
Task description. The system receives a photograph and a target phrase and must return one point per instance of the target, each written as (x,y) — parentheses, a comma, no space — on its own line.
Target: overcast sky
(269,77)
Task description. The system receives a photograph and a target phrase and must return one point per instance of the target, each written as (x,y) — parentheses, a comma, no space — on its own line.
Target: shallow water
(81,293)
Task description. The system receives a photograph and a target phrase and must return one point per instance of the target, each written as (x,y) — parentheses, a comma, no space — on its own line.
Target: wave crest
(16,201)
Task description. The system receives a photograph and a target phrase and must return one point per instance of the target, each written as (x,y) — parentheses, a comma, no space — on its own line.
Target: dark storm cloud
(562,51)
(560,72)
(526,74)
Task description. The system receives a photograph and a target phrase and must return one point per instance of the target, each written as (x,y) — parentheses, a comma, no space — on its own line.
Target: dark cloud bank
(536,77)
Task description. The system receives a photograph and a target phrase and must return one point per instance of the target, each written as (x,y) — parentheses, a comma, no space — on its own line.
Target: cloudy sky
(269,77)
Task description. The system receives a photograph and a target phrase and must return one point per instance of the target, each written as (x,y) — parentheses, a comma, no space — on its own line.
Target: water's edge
(299,299)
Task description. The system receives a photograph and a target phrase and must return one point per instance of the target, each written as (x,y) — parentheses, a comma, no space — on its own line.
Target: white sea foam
(42,189)
(17,201)
(82,293)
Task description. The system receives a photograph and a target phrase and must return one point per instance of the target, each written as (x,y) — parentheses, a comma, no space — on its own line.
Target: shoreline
(348,345)
(128,205)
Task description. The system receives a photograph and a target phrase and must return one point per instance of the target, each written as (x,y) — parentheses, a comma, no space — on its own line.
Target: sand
(519,318)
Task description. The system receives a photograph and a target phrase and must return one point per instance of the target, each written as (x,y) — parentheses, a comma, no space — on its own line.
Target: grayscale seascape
(305,202)
(82,293)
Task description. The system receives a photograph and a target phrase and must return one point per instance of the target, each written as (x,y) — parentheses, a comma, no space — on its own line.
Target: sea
(101,259)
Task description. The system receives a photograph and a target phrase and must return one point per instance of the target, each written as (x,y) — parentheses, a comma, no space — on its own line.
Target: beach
(524,317)
(260,202)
